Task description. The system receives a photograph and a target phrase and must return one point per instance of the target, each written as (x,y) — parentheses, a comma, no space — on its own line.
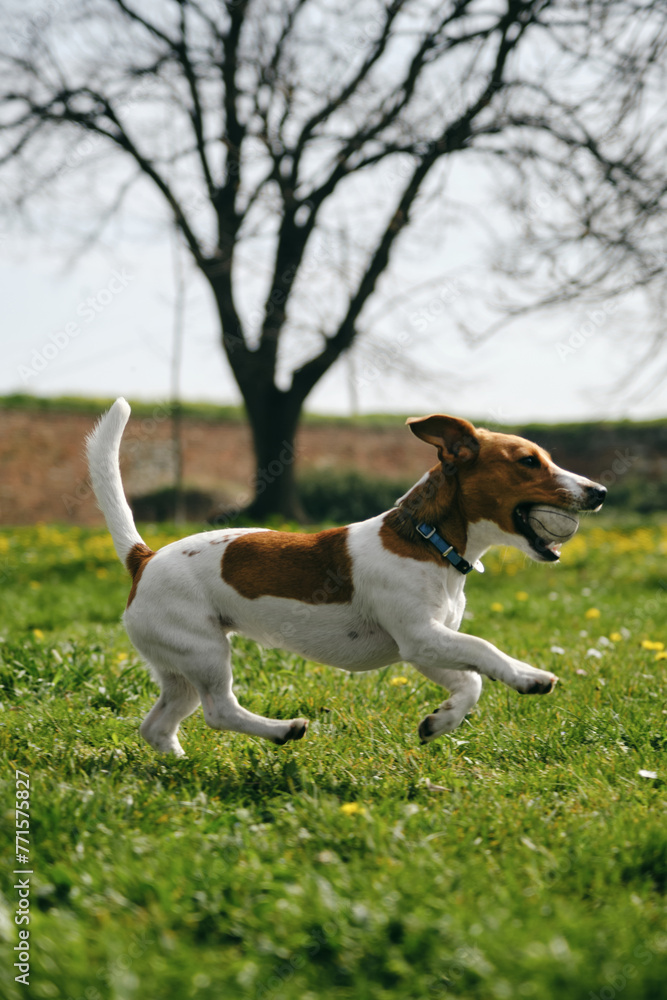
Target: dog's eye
(530,461)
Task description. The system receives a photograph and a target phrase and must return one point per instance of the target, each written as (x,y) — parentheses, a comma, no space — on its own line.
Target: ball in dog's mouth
(546,528)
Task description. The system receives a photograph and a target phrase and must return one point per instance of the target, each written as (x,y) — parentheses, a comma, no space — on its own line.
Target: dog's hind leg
(178,699)
(222,710)
(208,668)
(465,688)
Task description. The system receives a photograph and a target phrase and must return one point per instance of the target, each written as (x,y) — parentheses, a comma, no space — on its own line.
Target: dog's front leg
(464,686)
(435,645)
(455,661)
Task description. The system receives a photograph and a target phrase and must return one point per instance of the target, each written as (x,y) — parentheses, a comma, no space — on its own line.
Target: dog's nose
(596,495)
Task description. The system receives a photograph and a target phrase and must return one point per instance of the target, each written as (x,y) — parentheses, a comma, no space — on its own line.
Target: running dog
(359,597)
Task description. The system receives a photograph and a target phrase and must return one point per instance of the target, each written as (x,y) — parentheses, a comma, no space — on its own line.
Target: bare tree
(256,122)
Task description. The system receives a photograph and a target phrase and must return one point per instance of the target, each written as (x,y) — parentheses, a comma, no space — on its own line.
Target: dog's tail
(102,447)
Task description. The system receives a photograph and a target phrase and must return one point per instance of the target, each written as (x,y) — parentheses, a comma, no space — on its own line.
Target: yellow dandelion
(662,655)
(35,585)
(647,644)
(593,613)
(497,606)
(352,809)
(616,637)
(398,681)
(521,595)
(102,573)
(120,657)
(38,634)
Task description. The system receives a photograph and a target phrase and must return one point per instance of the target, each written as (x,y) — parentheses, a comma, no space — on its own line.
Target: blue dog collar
(446,550)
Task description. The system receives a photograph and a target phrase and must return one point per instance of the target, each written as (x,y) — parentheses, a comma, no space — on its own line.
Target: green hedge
(341,496)
(638,495)
(345,495)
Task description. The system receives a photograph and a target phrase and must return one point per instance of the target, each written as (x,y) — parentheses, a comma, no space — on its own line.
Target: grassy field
(523,857)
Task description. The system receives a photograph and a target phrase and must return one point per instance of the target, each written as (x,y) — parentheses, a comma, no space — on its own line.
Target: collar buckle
(446,550)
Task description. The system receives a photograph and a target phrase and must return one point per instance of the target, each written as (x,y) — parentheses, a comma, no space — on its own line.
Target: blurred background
(280,228)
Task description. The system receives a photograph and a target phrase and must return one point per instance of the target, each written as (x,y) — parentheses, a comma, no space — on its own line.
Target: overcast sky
(105,329)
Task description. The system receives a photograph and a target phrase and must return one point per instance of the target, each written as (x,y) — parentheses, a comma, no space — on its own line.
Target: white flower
(557,649)
(604,641)
(647,774)
(594,652)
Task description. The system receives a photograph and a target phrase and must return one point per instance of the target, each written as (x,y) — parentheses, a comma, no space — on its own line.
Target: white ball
(550,522)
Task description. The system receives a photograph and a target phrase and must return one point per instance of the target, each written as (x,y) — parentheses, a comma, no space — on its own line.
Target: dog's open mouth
(546,548)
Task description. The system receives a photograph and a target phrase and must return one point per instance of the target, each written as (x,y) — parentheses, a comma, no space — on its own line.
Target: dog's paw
(444,720)
(296,731)
(535,681)
(426,730)
(168,745)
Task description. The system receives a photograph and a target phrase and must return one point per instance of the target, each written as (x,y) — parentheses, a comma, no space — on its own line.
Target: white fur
(573,486)
(401,609)
(102,446)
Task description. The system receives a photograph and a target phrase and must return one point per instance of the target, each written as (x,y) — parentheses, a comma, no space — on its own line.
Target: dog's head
(499,477)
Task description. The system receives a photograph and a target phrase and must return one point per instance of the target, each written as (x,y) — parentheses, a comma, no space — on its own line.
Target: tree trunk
(274,417)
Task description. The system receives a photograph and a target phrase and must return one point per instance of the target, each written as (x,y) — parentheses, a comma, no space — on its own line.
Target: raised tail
(102,447)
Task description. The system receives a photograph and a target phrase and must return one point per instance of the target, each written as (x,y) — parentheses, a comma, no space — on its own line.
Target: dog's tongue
(555,547)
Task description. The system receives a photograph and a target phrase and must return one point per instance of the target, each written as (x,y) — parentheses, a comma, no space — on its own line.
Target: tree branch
(454,137)
(195,113)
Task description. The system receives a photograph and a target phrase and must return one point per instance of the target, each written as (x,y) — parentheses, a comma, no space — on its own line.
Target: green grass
(523,856)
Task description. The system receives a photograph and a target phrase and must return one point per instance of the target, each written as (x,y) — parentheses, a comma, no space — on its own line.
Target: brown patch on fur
(191,552)
(435,503)
(400,537)
(313,569)
(136,560)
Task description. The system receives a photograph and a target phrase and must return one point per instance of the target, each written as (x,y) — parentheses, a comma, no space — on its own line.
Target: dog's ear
(455,439)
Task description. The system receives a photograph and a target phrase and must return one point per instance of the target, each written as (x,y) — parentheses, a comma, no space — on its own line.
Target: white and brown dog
(360,597)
